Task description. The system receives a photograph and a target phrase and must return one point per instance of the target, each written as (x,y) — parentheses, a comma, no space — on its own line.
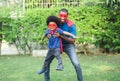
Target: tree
(0,36)
(4,20)
(112,3)
(111,36)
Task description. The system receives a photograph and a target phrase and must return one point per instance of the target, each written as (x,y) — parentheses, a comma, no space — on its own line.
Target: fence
(57,3)
(50,3)
(30,4)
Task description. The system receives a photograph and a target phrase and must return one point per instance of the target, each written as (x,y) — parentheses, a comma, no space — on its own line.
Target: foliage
(113,3)
(95,24)
(110,40)
(4,23)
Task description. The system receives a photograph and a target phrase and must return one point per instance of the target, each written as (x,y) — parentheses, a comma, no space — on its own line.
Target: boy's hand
(48,36)
(40,41)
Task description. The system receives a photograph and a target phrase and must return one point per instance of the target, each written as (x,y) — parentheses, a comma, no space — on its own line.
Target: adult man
(68,44)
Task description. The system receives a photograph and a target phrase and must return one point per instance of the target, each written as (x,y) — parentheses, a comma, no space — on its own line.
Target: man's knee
(76,64)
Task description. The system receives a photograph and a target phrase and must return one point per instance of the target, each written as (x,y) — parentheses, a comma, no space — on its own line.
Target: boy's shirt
(54,42)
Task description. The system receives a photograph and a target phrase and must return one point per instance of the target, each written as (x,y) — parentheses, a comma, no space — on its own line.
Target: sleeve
(72,30)
(60,31)
(46,32)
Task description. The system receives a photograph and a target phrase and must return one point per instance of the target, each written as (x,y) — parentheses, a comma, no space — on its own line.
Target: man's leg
(47,74)
(70,51)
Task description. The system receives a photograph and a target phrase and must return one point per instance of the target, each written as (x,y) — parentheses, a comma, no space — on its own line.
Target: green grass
(25,68)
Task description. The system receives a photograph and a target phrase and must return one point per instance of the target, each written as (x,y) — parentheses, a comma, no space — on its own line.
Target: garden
(97,23)
(94,68)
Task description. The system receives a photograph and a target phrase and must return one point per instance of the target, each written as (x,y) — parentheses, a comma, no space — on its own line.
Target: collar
(69,23)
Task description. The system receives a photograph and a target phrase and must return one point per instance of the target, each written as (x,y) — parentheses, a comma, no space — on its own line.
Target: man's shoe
(43,70)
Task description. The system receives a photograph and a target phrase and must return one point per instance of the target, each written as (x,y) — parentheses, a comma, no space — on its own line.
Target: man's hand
(56,34)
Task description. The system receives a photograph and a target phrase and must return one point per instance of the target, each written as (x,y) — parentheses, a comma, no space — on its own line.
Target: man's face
(52,25)
(63,16)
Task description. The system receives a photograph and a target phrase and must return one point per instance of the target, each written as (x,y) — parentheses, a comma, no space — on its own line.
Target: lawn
(25,68)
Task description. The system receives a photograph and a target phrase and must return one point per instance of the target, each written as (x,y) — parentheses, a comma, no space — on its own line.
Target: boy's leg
(46,62)
(58,57)
(47,73)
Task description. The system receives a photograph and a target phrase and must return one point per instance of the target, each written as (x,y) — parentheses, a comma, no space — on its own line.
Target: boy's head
(52,22)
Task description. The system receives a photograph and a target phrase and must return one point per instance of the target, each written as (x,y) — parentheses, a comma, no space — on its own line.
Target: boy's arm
(42,38)
(67,33)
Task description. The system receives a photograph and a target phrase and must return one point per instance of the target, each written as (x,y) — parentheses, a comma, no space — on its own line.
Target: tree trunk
(0,37)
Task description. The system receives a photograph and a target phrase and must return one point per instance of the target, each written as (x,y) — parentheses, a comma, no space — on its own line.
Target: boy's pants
(51,54)
(69,49)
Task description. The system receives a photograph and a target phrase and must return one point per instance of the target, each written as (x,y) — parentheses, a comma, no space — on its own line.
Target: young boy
(54,43)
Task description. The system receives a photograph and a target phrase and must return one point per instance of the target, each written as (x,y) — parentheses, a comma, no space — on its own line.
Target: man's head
(52,22)
(63,15)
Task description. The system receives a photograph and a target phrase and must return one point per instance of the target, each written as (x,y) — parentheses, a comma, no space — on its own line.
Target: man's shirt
(71,29)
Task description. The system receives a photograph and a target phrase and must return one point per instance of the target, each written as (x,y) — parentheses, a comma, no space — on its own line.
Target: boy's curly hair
(53,19)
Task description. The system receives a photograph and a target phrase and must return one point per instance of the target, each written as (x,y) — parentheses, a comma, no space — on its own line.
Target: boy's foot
(43,70)
(59,69)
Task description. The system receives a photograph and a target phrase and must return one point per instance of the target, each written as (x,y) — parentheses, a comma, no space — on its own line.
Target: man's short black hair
(53,19)
(64,10)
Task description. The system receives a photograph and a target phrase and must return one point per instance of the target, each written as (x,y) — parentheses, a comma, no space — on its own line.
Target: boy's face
(52,25)
(63,16)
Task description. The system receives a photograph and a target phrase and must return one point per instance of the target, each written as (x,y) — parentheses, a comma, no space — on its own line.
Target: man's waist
(54,48)
(65,42)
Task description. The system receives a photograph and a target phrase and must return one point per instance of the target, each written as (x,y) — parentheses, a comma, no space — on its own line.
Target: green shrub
(95,24)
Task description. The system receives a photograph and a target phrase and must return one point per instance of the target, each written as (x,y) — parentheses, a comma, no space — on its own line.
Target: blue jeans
(51,54)
(70,51)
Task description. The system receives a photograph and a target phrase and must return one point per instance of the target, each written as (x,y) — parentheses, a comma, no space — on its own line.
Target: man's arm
(70,40)
(67,33)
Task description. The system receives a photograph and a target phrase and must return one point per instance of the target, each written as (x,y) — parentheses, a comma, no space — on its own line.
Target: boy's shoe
(59,69)
(43,70)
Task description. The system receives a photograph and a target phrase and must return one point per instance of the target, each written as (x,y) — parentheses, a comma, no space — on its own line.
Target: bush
(94,25)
